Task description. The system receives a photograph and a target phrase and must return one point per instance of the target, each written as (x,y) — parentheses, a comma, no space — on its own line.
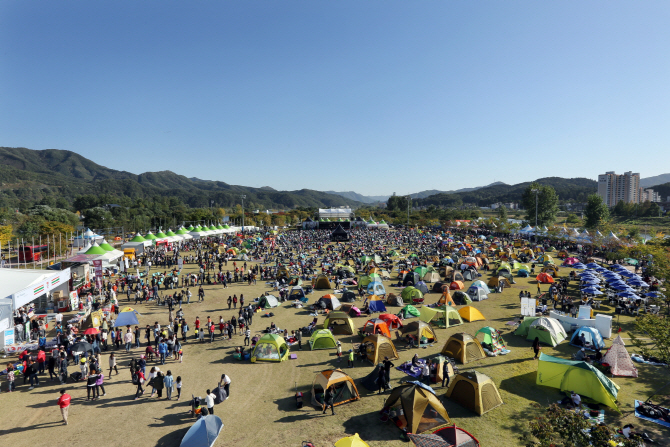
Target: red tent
(545,278)
(392,321)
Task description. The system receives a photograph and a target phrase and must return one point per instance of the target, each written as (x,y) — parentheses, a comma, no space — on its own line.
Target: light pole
(409,200)
(536,191)
(243,197)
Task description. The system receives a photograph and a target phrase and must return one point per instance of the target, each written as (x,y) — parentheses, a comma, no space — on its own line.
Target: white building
(649,195)
(615,188)
(335,213)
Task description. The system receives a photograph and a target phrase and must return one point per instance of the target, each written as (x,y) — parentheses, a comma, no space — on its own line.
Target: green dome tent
(270,348)
(409,293)
(322,339)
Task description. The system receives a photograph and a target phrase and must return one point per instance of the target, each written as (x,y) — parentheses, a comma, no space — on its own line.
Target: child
(201,335)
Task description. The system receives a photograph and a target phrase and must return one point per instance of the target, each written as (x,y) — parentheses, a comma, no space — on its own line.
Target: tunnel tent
(343,386)
(578,376)
(474,391)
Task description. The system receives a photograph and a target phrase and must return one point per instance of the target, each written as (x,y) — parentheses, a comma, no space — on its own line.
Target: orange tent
(376,326)
(392,321)
(457,285)
(545,278)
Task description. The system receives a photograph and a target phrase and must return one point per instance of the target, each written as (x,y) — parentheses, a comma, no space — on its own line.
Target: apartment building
(615,188)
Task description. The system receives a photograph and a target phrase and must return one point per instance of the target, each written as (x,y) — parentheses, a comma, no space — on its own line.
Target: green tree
(572,219)
(544,199)
(656,328)
(502,213)
(596,212)
(560,427)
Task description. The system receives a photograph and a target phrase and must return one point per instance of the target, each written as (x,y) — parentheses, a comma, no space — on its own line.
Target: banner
(97,267)
(41,287)
(74,300)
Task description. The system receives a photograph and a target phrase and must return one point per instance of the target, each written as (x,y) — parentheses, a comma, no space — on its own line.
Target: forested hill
(568,190)
(29,176)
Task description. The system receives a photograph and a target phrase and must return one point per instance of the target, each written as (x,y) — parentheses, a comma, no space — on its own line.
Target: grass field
(261,409)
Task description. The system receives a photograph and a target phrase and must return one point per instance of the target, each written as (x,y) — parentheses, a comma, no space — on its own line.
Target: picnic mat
(647,418)
(594,420)
(411,371)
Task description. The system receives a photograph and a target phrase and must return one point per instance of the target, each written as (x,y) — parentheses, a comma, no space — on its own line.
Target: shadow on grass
(370,428)
(30,428)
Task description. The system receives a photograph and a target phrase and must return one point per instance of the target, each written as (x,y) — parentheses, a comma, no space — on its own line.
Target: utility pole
(243,197)
(536,191)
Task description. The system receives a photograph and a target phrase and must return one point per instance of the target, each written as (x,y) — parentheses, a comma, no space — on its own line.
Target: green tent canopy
(190,228)
(161,235)
(105,246)
(170,233)
(182,230)
(138,238)
(95,250)
(150,236)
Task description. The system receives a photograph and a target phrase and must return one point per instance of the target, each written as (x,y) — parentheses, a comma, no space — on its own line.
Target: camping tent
(477,294)
(440,317)
(330,301)
(463,348)
(422,287)
(376,304)
(379,347)
(594,341)
(371,381)
(394,300)
(376,288)
(352,441)
(343,385)
(475,391)
(321,282)
(549,330)
(348,297)
(545,278)
(422,410)
(340,323)
(409,311)
(470,313)
(268,301)
(619,360)
(411,278)
(322,339)
(431,277)
(126,319)
(445,437)
(409,294)
(203,432)
(578,376)
(439,286)
(270,348)
(296,293)
(375,326)
(457,285)
(392,321)
(419,330)
(491,340)
(461,298)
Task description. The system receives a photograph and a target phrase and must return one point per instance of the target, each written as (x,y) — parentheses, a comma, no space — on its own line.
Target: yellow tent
(470,313)
(352,441)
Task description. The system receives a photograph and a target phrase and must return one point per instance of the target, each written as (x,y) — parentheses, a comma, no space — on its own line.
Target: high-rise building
(649,195)
(615,188)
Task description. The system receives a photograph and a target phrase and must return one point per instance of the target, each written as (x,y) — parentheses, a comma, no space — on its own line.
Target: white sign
(36,290)
(528,307)
(9,337)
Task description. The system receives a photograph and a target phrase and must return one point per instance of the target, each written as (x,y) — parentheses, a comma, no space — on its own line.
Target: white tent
(619,360)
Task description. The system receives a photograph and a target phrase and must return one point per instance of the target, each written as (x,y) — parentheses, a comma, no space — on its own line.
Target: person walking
(298,337)
(445,374)
(138,335)
(31,373)
(64,404)
(128,339)
(162,351)
(158,384)
(168,380)
(99,384)
(536,347)
(139,374)
(62,368)
(90,385)
(328,400)
(247,335)
(112,365)
(350,362)
(387,369)
(178,385)
(225,381)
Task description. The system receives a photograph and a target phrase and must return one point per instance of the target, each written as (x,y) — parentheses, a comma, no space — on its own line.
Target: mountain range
(418,195)
(654,181)
(28,176)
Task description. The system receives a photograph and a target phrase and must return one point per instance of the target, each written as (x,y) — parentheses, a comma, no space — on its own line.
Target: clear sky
(370,96)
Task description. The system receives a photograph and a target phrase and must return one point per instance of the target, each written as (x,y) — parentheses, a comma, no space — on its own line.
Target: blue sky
(370,96)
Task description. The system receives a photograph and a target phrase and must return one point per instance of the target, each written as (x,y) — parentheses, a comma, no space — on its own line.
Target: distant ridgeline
(29,176)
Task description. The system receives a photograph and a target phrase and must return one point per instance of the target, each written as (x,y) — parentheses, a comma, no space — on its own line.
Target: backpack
(136,379)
